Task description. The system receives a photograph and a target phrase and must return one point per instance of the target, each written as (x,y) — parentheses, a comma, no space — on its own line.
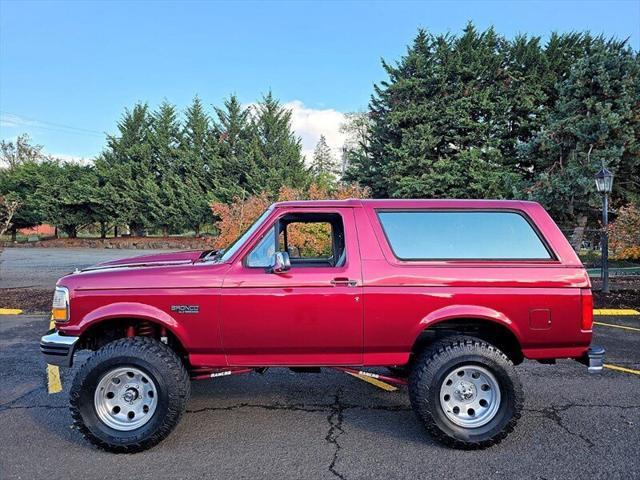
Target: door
(311,314)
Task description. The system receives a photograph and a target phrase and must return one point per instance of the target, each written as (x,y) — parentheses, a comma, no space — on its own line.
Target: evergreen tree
(130,190)
(274,148)
(233,130)
(594,122)
(68,195)
(436,123)
(324,167)
(165,139)
(20,183)
(480,116)
(200,168)
(21,173)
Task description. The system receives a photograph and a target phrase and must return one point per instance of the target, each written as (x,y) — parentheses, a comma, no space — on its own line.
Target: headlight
(60,309)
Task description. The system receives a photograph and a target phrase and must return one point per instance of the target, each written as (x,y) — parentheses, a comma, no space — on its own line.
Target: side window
(261,254)
(458,235)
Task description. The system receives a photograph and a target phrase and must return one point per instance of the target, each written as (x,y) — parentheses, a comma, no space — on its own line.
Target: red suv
(449,295)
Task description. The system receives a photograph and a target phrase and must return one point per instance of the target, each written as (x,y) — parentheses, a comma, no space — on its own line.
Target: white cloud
(71,158)
(309,124)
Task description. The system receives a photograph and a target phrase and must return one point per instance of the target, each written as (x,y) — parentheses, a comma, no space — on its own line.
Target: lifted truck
(449,293)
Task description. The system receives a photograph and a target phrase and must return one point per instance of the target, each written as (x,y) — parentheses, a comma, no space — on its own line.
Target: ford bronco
(448,295)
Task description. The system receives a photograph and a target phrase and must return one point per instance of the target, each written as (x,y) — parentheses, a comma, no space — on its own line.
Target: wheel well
(491,332)
(109,330)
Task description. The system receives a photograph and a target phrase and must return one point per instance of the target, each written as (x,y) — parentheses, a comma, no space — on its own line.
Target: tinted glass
(462,235)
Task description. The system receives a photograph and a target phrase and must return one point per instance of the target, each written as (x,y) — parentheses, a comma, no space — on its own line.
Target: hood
(154,260)
(165,270)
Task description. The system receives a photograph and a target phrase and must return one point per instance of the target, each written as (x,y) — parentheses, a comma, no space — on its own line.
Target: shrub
(311,240)
(624,234)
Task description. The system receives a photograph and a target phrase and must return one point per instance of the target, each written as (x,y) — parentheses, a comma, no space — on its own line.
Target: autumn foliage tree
(624,234)
(313,239)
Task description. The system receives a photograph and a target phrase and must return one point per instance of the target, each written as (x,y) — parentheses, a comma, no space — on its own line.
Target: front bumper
(593,359)
(58,349)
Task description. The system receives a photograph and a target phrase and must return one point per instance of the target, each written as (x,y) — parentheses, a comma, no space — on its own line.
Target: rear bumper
(58,349)
(593,359)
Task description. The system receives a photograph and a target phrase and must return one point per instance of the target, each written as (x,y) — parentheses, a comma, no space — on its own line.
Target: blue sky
(68,69)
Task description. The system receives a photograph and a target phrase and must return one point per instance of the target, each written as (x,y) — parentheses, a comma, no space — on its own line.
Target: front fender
(453,312)
(133,310)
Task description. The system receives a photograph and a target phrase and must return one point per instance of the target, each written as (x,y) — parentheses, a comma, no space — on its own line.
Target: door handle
(344,281)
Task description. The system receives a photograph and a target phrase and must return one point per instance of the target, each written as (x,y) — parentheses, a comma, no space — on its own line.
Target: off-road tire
(165,369)
(431,368)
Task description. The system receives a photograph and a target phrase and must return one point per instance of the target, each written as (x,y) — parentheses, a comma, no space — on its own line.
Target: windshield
(235,246)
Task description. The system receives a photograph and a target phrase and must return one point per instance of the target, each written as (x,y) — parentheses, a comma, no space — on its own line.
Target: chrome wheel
(470,396)
(125,399)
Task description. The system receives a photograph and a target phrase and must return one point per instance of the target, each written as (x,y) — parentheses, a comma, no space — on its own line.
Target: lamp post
(604,183)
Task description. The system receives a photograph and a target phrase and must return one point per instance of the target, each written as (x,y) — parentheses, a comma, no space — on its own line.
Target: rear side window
(457,235)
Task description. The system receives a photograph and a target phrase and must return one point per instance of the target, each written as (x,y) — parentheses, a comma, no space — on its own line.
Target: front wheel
(129,395)
(466,392)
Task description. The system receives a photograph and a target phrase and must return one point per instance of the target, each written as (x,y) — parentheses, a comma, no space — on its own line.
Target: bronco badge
(185,308)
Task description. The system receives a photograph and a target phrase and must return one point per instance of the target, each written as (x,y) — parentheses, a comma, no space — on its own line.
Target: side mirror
(280,262)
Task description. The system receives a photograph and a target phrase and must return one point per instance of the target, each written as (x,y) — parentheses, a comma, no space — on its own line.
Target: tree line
(474,115)
(163,170)
(481,116)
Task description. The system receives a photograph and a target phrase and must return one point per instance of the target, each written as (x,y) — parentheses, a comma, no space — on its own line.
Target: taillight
(587,309)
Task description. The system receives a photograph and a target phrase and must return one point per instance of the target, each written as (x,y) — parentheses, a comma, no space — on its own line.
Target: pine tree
(200,169)
(435,122)
(275,150)
(594,122)
(130,190)
(232,129)
(68,195)
(166,138)
(324,167)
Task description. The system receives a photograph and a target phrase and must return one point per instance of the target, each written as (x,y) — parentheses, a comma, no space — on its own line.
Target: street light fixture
(604,184)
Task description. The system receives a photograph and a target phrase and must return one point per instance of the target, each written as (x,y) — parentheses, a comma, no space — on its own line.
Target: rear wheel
(130,394)
(466,392)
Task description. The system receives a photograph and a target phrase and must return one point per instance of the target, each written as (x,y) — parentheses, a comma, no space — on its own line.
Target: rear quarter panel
(402,298)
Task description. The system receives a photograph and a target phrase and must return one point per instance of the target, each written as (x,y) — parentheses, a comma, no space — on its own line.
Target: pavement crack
(6,405)
(272,406)
(553,413)
(335,419)
(28,407)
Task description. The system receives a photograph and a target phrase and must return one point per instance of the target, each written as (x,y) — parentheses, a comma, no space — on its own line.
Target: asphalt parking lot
(41,267)
(329,425)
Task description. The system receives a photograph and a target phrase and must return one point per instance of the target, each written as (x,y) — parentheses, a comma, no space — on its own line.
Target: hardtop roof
(406,203)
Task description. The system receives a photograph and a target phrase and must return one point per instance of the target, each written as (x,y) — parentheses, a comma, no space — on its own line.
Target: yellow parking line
(617,326)
(10,311)
(622,369)
(615,311)
(54,384)
(374,381)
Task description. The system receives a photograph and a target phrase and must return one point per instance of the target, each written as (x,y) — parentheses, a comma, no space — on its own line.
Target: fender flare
(474,312)
(131,310)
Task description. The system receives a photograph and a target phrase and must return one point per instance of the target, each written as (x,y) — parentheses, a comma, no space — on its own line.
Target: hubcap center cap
(465,391)
(130,395)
